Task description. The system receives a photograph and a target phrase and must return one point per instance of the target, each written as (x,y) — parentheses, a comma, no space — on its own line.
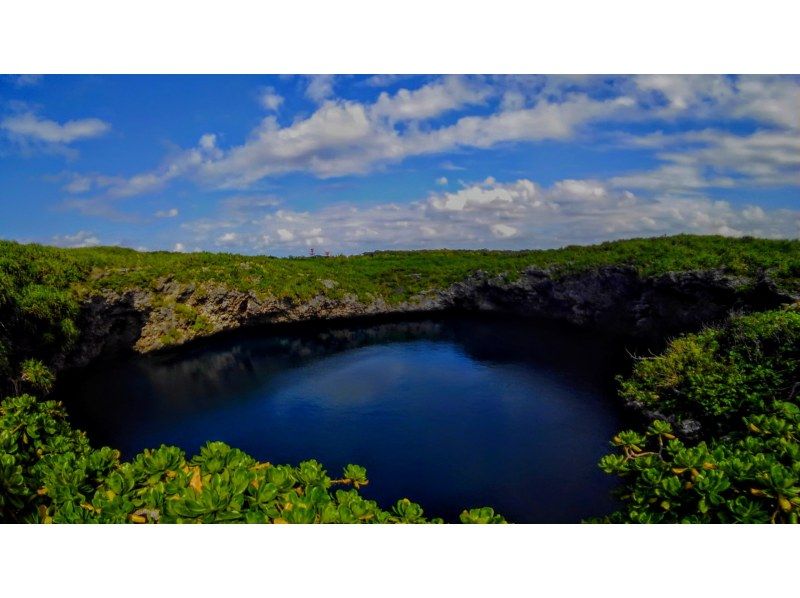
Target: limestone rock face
(612,298)
(617,299)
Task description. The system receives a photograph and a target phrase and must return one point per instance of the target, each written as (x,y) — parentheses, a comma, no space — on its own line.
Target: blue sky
(279,164)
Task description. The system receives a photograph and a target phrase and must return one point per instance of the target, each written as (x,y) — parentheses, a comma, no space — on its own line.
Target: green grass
(392,275)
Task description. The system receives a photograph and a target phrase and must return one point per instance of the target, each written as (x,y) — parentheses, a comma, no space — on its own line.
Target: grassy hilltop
(393,275)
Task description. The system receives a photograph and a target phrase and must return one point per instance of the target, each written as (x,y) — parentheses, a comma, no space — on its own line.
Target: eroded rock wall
(613,298)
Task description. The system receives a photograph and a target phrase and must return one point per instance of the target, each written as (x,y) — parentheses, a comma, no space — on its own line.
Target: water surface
(450,412)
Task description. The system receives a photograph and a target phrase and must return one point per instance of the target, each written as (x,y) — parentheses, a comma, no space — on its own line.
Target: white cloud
(672,178)
(320,87)
(208,141)
(712,158)
(79,184)
(503,231)
(181,164)
(769,99)
(442,180)
(433,99)
(179,247)
(384,80)
(29,126)
(285,235)
(80,239)
(270,100)
(28,80)
(171,213)
(228,238)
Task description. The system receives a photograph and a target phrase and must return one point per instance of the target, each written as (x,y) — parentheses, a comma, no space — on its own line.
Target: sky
(282,164)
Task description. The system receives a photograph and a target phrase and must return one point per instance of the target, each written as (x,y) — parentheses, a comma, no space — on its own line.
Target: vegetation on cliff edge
(741,382)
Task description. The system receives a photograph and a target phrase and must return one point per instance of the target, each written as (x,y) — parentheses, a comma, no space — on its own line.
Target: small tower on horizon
(311,252)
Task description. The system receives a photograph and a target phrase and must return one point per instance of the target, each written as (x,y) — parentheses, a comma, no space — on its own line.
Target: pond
(451,412)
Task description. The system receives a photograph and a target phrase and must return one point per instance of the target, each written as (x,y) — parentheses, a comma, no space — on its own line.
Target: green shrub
(741,380)
(722,374)
(750,476)
(50,474)
(38,376)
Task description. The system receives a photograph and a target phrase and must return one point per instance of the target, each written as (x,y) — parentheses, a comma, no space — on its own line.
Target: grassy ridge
(393,275)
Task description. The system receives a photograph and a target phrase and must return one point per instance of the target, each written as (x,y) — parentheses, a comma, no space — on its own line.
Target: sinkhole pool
(451,412)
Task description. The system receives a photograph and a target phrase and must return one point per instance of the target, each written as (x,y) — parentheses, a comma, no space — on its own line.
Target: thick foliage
(741,381)
(50,474)
(750,476)
(722,374)
(394,275)
(37,306)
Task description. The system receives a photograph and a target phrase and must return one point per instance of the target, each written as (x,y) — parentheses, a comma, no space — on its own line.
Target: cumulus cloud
(433,99)
(320,87)
(229,238)
(713,158)
(770,99)
(115,188)
(270,100)
(442,180)
(28,126)
(80,239)
(503,231)
(285,235)
(345,137)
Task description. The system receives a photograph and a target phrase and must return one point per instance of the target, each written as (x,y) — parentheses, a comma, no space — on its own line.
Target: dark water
(448,412)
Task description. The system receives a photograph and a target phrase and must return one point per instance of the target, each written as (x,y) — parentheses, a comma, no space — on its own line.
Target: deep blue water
(452,412)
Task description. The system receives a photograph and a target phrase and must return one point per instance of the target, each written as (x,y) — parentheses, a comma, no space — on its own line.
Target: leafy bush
(741,381)
(38,375)
(751,476)
(50,474)
(722,374)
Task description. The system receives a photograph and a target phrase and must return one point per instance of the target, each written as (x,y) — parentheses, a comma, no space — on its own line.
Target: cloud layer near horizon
(488,214)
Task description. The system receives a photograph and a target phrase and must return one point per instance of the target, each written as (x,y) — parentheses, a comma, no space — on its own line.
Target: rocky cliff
(612,298)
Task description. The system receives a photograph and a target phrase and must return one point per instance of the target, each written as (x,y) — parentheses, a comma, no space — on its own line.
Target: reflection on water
(450,412)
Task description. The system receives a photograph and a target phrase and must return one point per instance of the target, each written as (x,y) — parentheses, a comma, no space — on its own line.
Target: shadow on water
(449,411)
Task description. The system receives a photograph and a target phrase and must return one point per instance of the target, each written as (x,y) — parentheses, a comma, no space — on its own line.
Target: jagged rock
(610,298)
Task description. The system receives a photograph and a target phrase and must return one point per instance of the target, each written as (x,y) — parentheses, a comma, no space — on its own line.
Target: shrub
(49,473)
(37,375)
(722,374)
(751,476)
(741,381)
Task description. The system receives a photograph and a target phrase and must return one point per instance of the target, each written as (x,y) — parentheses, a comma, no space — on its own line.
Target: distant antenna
(311,252)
